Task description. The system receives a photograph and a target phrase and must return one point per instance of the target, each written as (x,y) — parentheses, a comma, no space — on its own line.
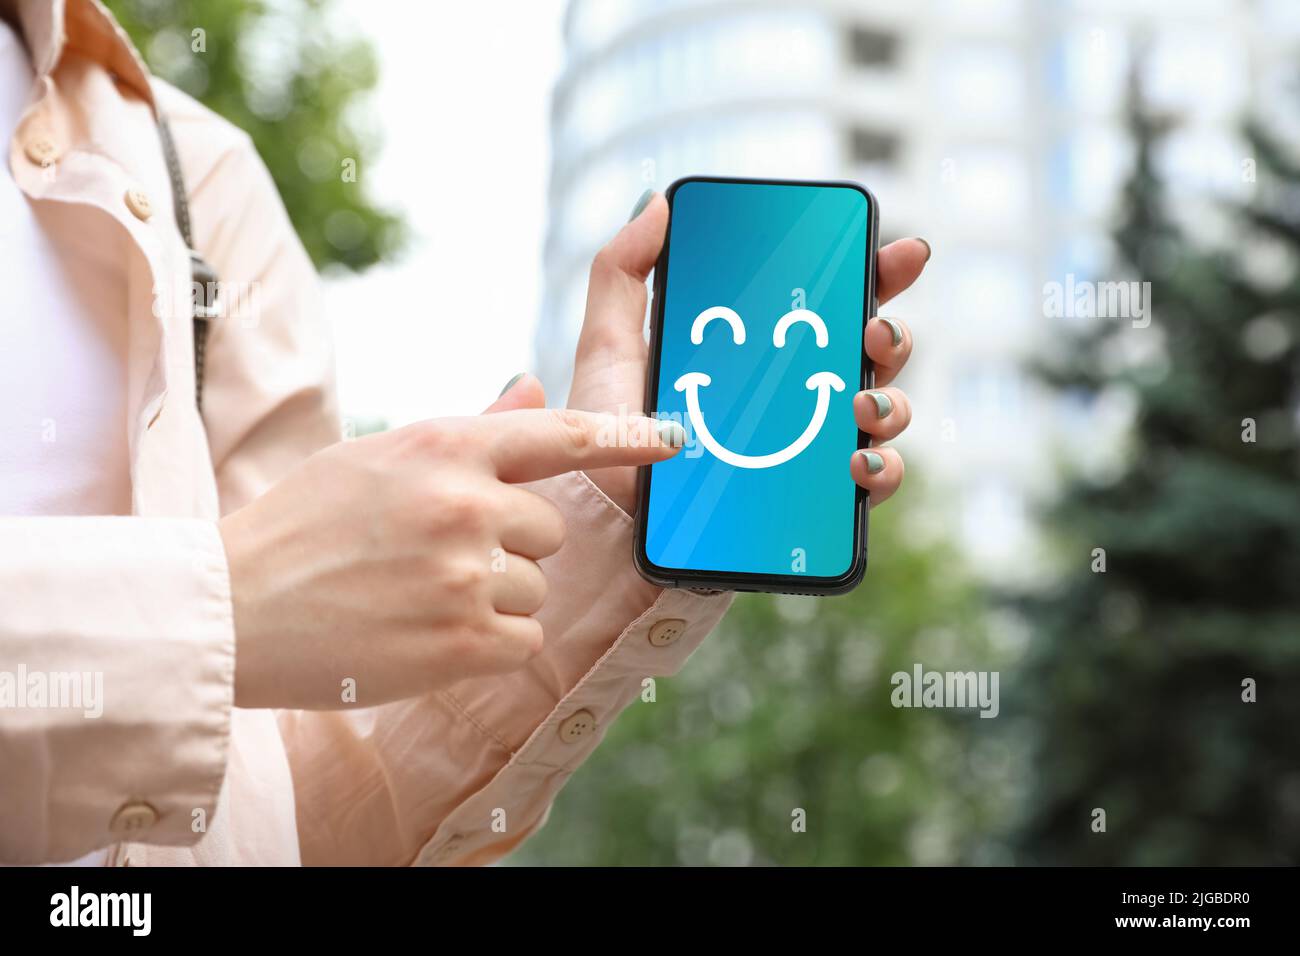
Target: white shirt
(63,443)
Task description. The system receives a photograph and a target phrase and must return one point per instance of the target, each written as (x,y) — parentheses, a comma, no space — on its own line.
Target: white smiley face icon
(822,382)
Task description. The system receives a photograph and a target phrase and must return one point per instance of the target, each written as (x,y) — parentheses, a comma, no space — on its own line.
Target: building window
(870,146)
(868,47)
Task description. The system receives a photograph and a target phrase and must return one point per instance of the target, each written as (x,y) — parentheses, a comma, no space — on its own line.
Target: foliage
(282,72)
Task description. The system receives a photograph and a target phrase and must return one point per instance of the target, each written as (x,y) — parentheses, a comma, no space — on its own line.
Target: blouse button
(41,150)
(667,631)
(138,202)
(577,725)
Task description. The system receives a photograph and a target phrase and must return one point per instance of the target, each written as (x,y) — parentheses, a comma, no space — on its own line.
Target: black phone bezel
(745,580)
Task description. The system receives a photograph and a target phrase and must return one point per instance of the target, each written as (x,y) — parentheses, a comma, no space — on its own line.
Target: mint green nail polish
(895,330)
(641,204)
(875,463)
(511,384)
(883,405)
(672,434)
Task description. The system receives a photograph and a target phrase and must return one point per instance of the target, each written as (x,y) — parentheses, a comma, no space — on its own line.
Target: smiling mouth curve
(822,382)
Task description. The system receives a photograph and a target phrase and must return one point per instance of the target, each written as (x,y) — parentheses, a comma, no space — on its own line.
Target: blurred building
(993,128)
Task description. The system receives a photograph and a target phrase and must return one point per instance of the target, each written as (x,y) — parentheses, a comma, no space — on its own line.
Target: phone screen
(760,352)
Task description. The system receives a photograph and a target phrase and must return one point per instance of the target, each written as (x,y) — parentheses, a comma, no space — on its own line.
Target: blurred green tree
(287,74)
(1136,681)
(786,708)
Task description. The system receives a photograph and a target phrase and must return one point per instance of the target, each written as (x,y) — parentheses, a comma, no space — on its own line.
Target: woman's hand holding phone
(610,366)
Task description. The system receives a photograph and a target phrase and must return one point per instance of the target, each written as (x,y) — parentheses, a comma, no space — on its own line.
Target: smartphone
(761,298)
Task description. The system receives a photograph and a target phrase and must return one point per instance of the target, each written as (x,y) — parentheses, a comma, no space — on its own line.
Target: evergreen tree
(1163,689)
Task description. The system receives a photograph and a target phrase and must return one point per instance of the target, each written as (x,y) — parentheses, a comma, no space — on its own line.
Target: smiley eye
(801,315)
(718,312)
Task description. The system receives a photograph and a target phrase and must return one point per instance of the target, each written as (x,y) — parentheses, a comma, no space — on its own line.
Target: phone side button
(666,632)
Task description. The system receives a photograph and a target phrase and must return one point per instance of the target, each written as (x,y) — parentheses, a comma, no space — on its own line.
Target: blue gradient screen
(760,356)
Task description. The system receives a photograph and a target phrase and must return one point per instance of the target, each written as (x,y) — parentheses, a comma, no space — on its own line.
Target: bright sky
(463,105)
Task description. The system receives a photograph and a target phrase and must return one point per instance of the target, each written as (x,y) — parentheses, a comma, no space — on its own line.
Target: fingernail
(672,434)
(511,384)
(641,204)
(927,247)
(895,330)
(875,463)
(883,405)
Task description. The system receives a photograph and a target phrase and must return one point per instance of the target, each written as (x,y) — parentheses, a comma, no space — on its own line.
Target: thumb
(522,391)
(635,248)
(616,293)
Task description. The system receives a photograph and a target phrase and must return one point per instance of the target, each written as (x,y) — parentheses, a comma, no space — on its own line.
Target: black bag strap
(203,278)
